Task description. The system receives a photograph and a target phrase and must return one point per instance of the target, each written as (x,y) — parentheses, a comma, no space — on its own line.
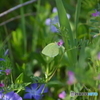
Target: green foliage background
(27,35)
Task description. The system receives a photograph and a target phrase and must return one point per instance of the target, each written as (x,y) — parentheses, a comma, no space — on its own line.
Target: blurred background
(25,33)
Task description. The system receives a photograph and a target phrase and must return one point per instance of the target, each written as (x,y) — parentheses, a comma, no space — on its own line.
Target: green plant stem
(78,7)
(23,27)
(36,28)
(11,79)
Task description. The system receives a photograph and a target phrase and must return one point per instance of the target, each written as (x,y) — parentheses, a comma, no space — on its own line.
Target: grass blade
(78,7)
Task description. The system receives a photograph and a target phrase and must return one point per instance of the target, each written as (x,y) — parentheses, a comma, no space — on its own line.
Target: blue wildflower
(35,91)
(47,22)
(54,10)
(1,59)
(54,21)
(51,22)
(9,96)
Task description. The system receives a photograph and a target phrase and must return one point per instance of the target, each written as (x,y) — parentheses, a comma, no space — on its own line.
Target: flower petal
(45,90)
(62,95)
(27,89)
(34,86)
(1,59)
(60,43)
(48,21)
(54,10)
(16,97)
(37,97)
(53,28)
(1,94)
(41,88)
(2,85)
(27,96)
(8,71)
(10,94)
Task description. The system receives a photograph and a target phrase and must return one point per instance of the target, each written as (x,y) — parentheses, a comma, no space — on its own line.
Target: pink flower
(71,78)
(2,85)
(60,43)
(8,71)
(62,95)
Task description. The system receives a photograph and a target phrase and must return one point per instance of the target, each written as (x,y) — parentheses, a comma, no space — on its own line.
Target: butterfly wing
(51,50)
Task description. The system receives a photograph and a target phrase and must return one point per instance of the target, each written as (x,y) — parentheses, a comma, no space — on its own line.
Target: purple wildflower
(62,95)
(60,43)
(97,13)
(71,78)
(8,71)
(35,91)
(2,85)
(9,96)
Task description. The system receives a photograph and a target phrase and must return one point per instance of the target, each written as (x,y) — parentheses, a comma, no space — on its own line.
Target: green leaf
(78,7)
(63,19)
(51,50)
(19,79)
(67,33)
(64,22)
(17,37)
(52,83)
(93,20)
